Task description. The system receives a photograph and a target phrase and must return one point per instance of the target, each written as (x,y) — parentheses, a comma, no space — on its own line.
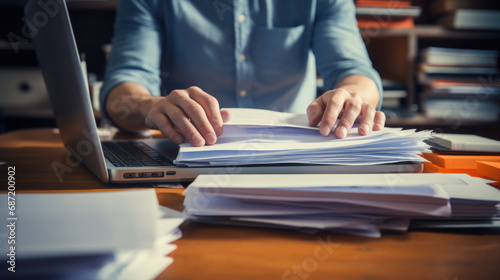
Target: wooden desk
(226,252)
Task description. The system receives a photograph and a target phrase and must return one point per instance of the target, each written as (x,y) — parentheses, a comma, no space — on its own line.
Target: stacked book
(98,235)
(365,204)
(255,136)
(465,14)
(394,95)
(460,83)
(394,14)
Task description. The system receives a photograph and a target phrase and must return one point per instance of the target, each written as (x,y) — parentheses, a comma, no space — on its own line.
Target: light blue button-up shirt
(246,53)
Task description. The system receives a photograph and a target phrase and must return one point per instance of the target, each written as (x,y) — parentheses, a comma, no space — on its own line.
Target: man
(175,63)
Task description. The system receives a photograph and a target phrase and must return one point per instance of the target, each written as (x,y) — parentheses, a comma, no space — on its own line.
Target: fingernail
(198,140)
(341,132)
(218,130)
(326,130)
(210,138)
(178,140)
(312,118)
(366,128)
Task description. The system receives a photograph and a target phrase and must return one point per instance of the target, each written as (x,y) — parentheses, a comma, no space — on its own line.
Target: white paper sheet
(85,223)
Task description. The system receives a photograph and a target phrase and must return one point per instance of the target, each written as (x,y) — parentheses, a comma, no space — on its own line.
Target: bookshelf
(440,32)
(395,54)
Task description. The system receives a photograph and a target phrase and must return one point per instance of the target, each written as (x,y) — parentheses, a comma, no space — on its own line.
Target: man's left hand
(349,107)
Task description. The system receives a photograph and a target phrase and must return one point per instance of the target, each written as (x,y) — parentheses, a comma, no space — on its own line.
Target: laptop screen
(58,57)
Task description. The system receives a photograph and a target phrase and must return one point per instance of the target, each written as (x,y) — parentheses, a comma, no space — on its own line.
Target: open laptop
(128,161)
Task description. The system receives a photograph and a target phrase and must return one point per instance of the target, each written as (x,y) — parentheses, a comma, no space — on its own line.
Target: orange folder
(383,3)
(458,161)
(369,23)
(489,169)
(430,167)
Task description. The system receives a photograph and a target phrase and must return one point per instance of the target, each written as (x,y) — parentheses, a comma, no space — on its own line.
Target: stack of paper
(255,136)
(357,204)
(463,143)
(99,235)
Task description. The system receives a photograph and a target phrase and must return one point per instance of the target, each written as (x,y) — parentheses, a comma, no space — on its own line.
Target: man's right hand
(190,114)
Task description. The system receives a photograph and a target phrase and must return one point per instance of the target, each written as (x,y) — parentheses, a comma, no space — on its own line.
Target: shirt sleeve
(135,49)
(338,46)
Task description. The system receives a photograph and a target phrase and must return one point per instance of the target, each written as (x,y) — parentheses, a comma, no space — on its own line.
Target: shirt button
(242,57)
(243,93)
(241,18)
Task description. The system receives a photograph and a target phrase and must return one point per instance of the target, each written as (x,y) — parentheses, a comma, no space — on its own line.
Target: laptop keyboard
(133,154)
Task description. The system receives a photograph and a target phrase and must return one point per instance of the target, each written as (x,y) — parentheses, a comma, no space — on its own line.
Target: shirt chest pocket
(278,53)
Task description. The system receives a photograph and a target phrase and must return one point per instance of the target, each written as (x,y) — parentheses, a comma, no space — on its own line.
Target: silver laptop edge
(58,57)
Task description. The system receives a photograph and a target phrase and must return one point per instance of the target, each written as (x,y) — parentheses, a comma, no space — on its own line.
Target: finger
(196,114)
(379,120)
(226,115)
(315,111)
(367,120)
(183,124)
(334,105)
(211,107)
(158,120)
(351,112)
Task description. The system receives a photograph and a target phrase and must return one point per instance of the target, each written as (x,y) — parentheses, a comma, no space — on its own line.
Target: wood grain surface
(229,252)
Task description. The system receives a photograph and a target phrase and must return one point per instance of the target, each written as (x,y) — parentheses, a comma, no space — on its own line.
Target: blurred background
(439,61)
